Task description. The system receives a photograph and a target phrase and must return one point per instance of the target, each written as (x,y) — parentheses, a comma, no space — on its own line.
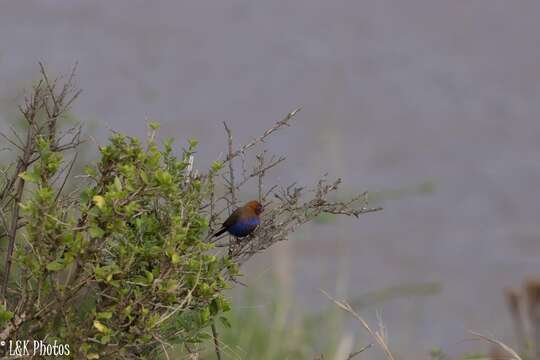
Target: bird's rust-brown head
(255,206)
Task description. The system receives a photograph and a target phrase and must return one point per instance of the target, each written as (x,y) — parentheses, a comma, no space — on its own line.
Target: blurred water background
(433,105)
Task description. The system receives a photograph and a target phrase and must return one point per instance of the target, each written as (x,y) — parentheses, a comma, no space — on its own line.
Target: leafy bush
(123,266)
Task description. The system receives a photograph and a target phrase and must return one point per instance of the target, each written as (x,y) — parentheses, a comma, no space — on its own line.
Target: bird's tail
(220,232)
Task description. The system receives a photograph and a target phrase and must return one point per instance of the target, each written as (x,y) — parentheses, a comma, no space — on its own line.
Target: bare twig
(231,154)
(261,172)
(16,135)
(287,212)
(66,176)
(20,147)
(230,181)
(283,122)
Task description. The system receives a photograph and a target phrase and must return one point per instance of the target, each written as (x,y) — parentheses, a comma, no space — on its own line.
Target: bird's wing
(232,218)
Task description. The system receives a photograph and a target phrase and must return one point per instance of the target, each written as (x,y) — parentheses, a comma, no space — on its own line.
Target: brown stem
(215,335)
(21,167)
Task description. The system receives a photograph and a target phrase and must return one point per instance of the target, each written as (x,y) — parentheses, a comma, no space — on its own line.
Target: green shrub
(123,267)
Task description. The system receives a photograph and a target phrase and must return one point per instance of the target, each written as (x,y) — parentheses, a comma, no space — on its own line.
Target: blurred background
(433,106)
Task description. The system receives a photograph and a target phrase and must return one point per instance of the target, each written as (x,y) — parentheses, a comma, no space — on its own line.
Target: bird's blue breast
(244,227)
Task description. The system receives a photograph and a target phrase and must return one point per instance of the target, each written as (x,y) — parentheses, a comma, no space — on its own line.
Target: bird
(243,220)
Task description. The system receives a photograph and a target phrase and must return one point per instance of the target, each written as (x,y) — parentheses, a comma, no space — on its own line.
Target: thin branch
(21,167)
(20,147)
(283,122)
(14,132)
(261,173)
(230,156)
(287,212)
(66,177)
(215,335)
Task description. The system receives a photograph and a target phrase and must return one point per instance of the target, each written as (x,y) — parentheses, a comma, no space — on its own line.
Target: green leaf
(217,165)
(225,322)
(90,170)
(100,327)
(175,258)
(205,315)
(99,201)
(153,125)
(144,177)
(105,339)
(149,277)
(164,178)
(214,307)
(117,184)
(30,177)
(5,316)
(85,196)
(96,232)
(56,265)
(225,306)
(105,315)
(203,337)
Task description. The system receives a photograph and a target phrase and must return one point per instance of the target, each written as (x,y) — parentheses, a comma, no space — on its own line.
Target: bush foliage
(122,266)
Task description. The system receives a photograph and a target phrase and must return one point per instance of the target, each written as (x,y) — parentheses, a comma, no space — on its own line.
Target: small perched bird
(243,220)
